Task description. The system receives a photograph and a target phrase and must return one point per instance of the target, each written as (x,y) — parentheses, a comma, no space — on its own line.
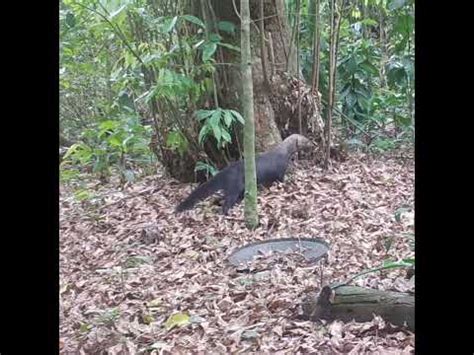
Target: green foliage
(123,61)
(375,73)
(400,71)
(217,123)
(120,58)
(386,265)
(108,143)
(209,46)
(390,264)
(356,71)
(173,86)
(177,141)
(82,195)
(209,169)
(194,20)
(69,174)
(383,144)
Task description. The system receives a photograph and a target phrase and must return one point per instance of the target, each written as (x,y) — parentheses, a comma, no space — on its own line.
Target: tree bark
(335,26)
(275,26)
(316,50)
(274,100)
(349,303)
(250,210)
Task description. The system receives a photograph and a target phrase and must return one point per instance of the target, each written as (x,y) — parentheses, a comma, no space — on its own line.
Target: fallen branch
(349,303)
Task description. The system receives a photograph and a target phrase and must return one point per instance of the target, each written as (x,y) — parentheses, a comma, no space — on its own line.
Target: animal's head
(299,142)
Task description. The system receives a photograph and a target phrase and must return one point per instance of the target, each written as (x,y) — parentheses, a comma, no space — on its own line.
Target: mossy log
(349,303)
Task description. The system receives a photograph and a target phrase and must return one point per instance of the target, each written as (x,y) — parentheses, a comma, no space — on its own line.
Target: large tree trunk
(274,104)
(279,95)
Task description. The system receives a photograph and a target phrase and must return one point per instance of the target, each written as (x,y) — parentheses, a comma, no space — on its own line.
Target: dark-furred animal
(271,166)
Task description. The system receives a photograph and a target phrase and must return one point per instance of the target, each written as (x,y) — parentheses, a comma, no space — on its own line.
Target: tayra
(271,166)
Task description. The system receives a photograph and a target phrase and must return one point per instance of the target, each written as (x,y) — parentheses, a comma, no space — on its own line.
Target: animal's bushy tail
(200,193)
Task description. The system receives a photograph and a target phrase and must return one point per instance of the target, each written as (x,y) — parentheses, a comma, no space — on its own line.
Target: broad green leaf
(404,25)
(225,135)
(388,264)
(115,141)
(217,132)
(215,119)
(352,65)
(214,37)
(169,24)
(203,133)
(208,50)
(107,127)
(230,46)
(238,116)
(203,114)
(69,174)
(82,195)
(194,20)
(177,320)
(226,26)
(130,60)
(369,67)
(109,124)
(228,118)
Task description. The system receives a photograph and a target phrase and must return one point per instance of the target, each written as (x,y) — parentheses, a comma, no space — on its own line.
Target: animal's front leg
(229,201)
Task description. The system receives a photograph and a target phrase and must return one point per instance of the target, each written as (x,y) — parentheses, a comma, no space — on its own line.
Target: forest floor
(128,263)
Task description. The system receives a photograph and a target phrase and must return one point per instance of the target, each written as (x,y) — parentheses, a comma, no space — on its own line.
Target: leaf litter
(135,278)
